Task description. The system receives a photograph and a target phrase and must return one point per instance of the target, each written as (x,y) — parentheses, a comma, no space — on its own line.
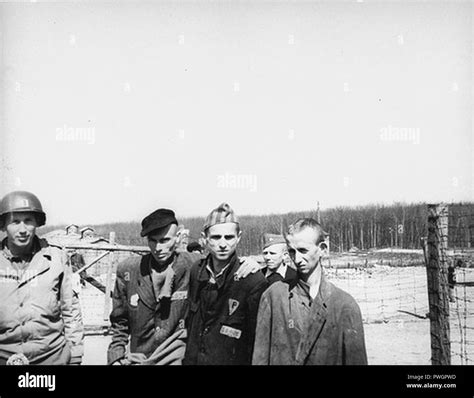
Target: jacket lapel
(39,264)
(223,282)
(145,284)
(290,275)
(202,280)
(318,315)
(228,277)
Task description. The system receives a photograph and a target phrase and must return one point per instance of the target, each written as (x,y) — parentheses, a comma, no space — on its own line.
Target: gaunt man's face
(222,240)
(162,243)
(304,251)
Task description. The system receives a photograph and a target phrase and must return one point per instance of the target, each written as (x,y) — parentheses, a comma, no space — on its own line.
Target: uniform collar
(281,270)
(153,265)
(323,291)
(38,245)
(213,277)
(36,266)
(207,274)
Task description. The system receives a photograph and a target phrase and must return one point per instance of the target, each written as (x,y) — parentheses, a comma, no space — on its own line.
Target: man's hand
(247,266)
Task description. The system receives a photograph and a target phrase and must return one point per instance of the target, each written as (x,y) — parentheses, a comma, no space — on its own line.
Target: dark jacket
(223,332)
(292,329)
(136,312)
(290,275)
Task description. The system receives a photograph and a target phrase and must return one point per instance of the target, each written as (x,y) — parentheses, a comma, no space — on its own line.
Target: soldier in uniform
(149,299)
(274,255)
(223,309)
(40,316)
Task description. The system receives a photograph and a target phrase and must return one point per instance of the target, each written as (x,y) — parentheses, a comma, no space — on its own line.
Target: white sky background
(296,95)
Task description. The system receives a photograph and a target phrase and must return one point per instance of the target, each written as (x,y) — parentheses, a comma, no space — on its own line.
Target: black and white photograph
(248,183)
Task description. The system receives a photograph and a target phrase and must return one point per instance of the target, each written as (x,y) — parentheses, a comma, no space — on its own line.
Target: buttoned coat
(40,316)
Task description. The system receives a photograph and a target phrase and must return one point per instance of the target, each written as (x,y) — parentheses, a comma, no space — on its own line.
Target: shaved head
(303,223)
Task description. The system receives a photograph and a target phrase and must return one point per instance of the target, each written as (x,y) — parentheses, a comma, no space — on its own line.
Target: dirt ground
(387,344)
(392,343)
(393,302)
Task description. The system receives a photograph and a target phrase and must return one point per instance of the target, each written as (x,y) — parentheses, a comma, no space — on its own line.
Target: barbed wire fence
(406,291)
(390,288)
(385,293)
(460,262)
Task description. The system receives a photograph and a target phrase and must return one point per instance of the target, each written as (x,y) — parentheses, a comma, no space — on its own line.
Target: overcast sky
(111,110)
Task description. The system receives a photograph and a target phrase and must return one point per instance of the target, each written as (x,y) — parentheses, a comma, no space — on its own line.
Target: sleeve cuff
(115,355)
(77,351)
(75,360)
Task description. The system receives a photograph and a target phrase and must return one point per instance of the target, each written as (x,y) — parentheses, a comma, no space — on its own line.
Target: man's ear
(284,250)
(204,237)
(324,249)
(239,235)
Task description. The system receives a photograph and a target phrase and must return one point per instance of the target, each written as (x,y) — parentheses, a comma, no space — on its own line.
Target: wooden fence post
(437,271)
(108,285)
(423,242)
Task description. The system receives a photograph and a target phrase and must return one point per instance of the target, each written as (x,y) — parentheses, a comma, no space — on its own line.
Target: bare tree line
(363,227)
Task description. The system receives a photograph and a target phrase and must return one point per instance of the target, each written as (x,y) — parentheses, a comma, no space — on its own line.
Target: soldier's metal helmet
(21,201)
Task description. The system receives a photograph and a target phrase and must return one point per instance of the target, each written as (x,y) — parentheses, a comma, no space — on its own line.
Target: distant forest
(363,227)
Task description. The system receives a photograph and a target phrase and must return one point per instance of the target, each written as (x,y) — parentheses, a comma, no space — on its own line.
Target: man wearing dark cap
(222,308)
(274,254)
(149,300)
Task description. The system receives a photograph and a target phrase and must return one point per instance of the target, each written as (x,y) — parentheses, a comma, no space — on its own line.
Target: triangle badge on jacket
(233,304)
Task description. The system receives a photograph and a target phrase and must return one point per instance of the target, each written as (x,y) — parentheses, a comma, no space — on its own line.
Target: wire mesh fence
(461,282)
(391,289)
(384,293)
